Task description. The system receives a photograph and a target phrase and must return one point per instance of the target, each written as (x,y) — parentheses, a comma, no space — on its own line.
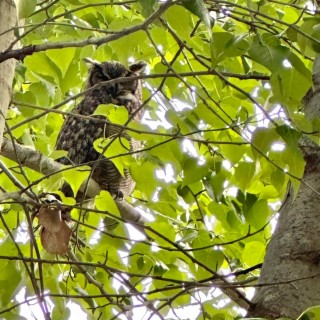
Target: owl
(78,134)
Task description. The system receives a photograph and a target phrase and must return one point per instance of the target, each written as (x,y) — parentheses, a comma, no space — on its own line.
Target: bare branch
(20,54)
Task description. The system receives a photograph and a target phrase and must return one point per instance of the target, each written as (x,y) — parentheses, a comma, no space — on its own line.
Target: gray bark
(36,161)
(290,276)
(8,20)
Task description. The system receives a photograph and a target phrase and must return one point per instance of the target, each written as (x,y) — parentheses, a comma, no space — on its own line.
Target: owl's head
(109,70)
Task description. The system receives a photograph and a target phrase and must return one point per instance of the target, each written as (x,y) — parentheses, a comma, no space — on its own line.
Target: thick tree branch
(38,162)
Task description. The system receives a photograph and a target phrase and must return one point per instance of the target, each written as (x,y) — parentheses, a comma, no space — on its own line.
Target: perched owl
(77,135)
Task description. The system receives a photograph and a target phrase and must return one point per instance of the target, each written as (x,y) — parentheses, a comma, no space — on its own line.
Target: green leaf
(41,93)
(144,176)
(211,118)
(291,15)
(278,179)
(185,193)
(105,202)
(258,214)
(253,253)
(295,164)
(62,58)
(140,260)
(233,153)
(166,151)
(166,208)
(26,97)
(13,315)
(211,258)
(289,84)
(76,176)
(147,6)
(244,173)
(193,171)
(182,26)
(116,149)
(215,257)
(226,45)
(60,311)
(290,158)
(289,135)
(165,231)
(172,273)
(263,139)
(90,301)
(39,63)
(127,46)
(198,8)
(218,182)
(306,45)
(115,114)
(9,280)
(269,192)
(270,57)
(312,313)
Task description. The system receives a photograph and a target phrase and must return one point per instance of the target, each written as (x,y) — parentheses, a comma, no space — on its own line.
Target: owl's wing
(77,136)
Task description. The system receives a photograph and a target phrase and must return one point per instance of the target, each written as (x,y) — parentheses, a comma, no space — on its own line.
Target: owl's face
(109,70)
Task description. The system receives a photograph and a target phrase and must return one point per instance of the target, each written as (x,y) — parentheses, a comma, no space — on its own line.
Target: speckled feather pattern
(77,135)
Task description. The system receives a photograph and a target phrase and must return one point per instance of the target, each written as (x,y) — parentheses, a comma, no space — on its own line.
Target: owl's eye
(104,77)
(98,76)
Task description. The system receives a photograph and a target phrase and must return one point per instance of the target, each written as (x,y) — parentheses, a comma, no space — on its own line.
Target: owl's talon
(118,195)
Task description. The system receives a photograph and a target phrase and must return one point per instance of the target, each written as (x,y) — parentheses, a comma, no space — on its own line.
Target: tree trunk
(290,276)
(8,20)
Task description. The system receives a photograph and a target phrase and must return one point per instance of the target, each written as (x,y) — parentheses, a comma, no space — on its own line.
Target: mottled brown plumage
(77,135)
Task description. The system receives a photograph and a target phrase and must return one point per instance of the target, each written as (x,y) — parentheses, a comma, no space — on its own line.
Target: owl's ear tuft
(138,67)
(92,62)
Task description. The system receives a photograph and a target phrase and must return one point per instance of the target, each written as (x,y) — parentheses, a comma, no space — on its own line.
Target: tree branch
(20,54)
(38,162)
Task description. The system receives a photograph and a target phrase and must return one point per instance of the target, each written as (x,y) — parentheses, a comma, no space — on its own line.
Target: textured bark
(293,254)
(8,20)
(290,274)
